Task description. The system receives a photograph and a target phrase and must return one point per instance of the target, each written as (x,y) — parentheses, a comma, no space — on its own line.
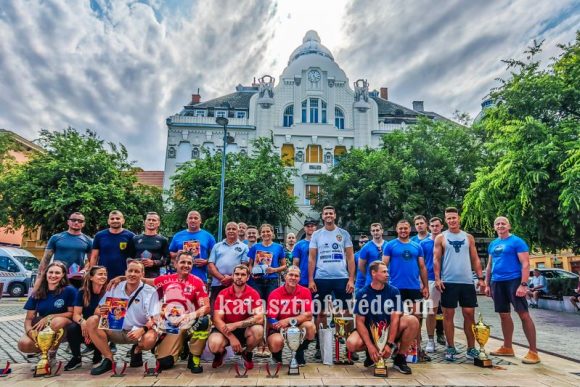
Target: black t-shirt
(89,310)
(155,247)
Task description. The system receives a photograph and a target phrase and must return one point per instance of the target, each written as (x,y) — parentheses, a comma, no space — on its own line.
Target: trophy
(152,367)
(341,332)
(293,336)
(379,333)
(481,332)
(119,367)
(46,340)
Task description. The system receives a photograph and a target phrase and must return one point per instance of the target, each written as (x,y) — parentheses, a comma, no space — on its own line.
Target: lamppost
(223,121)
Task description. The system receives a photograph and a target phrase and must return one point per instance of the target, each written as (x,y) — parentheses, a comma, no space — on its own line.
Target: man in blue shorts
(508,269)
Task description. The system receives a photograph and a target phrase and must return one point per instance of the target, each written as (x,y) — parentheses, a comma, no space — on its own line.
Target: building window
(199,113)
(313,110)
(311,194)
(316,109)
(338,118)
(288,116)
(314,154)
(240,114)
(323,111)
(288,155)
(339,153)
(304,107)
(221,113)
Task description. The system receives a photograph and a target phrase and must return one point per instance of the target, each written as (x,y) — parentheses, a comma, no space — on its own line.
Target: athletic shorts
(434,295)
(411,294)
(464,294)
(504,294)
(335,288)
(240,334)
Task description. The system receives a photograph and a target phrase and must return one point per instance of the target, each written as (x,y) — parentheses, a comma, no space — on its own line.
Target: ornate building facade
(312,112)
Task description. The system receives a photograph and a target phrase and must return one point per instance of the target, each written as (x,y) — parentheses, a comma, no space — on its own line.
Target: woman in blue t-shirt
(86,302)
(52,304)
(268,260)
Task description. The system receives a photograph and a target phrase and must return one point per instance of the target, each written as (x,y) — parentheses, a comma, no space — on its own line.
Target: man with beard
(238,319)
(150,247)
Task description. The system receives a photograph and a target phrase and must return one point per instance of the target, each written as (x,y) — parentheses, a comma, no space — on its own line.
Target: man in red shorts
(289,301)
(238,319)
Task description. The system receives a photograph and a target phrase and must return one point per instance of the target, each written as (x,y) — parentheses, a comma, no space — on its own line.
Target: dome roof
(310,45)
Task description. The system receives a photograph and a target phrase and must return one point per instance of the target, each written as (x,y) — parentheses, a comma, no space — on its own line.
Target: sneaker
(194,366)
(73,364)
(503,351)
(441,340)
(248,359)
(450,353)
(368,361)
(97,357)
(531,358)
(88,349)
(263,352)
(105,366)
(218,360)
(300,358)
(317,354)
(430,347)
(400,364)
(136,358)
(472,353)
(423,357)
(354,356)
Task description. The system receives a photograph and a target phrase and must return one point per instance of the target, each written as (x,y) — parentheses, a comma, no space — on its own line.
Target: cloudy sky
(121,67)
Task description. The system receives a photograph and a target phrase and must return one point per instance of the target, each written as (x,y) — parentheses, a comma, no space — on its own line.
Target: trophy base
(293,371)
(381,372)
(485,363)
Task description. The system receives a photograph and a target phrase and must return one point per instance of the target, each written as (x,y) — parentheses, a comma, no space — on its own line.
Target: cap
(308,222)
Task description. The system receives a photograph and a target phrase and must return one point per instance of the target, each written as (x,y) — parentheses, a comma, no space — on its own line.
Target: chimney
(418,106)
(385,93)
(195,98)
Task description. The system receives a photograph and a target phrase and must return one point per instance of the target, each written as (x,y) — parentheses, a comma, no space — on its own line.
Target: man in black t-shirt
(150,247)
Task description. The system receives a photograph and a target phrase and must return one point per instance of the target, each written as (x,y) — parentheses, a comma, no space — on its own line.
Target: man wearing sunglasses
(71,247)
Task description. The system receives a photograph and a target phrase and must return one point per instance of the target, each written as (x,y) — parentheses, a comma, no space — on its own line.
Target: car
(18,270)
(555,273)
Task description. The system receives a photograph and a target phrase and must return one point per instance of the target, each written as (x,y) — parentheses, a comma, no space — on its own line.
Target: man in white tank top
(454,256)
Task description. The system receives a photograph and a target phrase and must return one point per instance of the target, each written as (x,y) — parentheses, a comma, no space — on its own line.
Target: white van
(18,270)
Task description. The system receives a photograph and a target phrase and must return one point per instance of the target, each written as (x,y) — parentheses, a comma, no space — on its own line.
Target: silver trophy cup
(293,336)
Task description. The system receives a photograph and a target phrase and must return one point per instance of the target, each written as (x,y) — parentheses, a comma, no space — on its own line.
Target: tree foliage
(533,173)
(419,170)
(256,189)
(78,172)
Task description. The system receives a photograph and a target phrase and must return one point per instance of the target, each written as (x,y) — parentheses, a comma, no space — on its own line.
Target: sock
(304,345)
(277,356)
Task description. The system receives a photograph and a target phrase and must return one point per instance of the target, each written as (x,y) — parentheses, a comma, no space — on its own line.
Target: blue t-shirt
(89,310)
(271,256)
(53,303)
(427,245)
(377,305)
(403,264)
(416,239)
(302,251)
(69,248)
(370,253)
(505,264)
(199,243)
(114,249)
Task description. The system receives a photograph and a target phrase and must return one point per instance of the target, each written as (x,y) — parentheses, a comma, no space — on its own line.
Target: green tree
(256,189)
(533,170)
(419,170)
(78,172)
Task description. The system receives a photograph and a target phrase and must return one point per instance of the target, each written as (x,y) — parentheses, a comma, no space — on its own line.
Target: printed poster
(115,317)
(193,247)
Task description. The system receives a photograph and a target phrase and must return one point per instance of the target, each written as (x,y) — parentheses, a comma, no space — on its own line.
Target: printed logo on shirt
(456,244)
(498,250)
(263,258)
(238,249)
(339,237)
(335,246)
(122,245)
(59,303)
(192,247)
(407,255)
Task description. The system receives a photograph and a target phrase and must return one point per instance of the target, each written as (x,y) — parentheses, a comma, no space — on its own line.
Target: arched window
(314,111)
(288,116)
(338,118)
(288,155)
(314,154)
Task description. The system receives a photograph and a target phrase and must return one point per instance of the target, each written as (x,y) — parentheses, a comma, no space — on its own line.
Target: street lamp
(222,121)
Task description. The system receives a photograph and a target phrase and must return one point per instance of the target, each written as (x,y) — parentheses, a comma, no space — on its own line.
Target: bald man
(508,269)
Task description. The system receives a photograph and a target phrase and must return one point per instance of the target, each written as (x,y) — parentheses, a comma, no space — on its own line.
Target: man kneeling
(289,301)
(381,303)
(136,325)
(238,317)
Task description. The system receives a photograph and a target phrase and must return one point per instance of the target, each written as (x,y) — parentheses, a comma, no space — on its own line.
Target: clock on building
(314,76)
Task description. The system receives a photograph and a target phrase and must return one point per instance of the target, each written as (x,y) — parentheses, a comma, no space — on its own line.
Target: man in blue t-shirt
(196,241)
(371,252)
(301,250)
(379,306)
(111,247)
(71,247)
(508,269)
(420,222)
(360,278)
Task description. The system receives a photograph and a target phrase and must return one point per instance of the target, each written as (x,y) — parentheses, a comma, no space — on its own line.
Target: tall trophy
(293,336)
(481,332)
(341,324)
(46,340)
(379,333)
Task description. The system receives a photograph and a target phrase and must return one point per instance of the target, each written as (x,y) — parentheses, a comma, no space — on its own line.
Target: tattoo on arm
(248,323)
(46,259)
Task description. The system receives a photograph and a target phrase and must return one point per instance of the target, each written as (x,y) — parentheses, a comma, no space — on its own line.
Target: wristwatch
(525,284)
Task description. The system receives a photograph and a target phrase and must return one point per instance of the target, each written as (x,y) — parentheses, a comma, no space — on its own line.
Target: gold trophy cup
(341,331)
(379,333)
(481,332)
(46,340)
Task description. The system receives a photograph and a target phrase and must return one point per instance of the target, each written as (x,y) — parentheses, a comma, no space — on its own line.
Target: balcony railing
(204,121)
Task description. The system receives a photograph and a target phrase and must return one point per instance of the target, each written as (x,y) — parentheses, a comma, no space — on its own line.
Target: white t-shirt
(331,257)
(140,310)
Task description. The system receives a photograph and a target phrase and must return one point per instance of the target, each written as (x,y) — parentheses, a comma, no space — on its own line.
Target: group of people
(304,281)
